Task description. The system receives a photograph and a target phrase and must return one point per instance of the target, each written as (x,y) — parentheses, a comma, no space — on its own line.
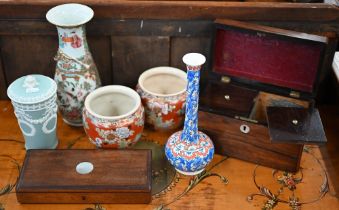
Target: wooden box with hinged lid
(85,176)
(260,93)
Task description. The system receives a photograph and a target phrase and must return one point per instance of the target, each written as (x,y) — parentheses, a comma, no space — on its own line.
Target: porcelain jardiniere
(163,94)
(113,117)
(76,74)
(34,101)
(190,150)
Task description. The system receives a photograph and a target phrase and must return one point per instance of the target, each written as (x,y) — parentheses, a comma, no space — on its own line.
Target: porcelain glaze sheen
(190,150)
(76,74)
(163,94)
(119,126)
(34,101)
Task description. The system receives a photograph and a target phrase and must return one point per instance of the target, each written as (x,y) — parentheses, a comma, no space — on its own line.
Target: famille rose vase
(163,94)
(34,101)
(113,117)
(190,150)
(76,74)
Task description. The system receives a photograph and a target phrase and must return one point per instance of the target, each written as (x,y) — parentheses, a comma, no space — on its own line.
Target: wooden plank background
(128,37)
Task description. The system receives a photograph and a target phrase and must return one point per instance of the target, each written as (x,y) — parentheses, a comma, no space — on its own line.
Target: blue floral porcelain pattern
(190,150)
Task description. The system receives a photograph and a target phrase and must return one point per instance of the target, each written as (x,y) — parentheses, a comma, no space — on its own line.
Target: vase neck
(190,132)
(72,41)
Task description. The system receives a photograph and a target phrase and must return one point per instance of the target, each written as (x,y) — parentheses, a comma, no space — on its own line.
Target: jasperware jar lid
(31,89)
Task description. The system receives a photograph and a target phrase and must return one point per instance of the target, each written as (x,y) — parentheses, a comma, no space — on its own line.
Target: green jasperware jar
(34,101)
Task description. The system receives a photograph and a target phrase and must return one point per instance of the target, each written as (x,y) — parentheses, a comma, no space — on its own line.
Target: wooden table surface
(210,193)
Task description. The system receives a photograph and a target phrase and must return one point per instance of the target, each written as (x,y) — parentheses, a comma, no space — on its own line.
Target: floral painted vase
(190,150)
(76,74)
(113,117)
(163,94)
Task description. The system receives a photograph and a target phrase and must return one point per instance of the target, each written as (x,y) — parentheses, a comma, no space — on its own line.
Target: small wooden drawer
(227,99)
(118,176)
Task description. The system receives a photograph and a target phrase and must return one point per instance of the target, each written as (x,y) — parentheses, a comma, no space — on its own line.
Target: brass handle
(295,122)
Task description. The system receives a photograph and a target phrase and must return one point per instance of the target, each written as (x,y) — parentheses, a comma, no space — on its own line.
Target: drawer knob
(295,122)
(227,97)
(244,128)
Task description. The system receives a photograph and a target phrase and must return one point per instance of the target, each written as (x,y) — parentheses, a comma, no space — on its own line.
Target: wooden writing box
(260,93)
(119,176)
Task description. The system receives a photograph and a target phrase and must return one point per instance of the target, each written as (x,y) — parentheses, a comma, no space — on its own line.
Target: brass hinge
(295,94)
(225,79)
(246,119)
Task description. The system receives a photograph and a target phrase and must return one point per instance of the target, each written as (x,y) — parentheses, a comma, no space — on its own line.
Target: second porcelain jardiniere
(163,93)
(113,117)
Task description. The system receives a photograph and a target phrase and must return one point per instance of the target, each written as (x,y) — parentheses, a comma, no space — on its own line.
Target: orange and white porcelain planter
(113,117)
(163,93)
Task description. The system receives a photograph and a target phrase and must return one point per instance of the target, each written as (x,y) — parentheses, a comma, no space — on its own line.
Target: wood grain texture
(182,45)
(227,99)
(49,176)
(24,55)
(307,27)
(307,130)
(181,10)
(137,27)
(132,55)
(330,151)
(254,146)
(209,194)
(3,83)
(168,27)
(100,47)
(271,30)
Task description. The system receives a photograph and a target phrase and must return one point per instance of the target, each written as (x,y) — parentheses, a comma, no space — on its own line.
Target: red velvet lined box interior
(284,61)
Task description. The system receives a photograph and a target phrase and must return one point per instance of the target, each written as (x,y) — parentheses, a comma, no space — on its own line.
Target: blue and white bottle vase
(190,150)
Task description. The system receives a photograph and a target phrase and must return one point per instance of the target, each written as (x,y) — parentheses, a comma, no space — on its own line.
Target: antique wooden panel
(24,55)
(145,27)
(3,85)
(182,10)
(100,46)
(330,151)
(112,27)
(131,55)
(182,45)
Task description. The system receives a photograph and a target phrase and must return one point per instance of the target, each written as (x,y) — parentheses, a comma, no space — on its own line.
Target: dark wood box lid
(295,125)
(268,58)
(114,171)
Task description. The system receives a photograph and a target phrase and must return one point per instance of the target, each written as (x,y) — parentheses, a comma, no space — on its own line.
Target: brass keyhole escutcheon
(244,128)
